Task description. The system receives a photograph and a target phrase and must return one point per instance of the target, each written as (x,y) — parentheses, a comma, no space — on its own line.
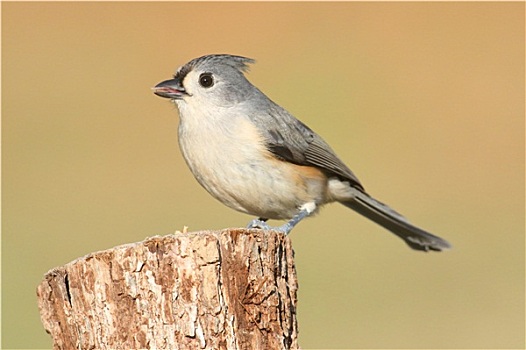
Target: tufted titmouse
(255,157)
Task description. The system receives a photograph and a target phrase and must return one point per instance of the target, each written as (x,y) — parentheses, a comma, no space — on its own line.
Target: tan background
(424,101)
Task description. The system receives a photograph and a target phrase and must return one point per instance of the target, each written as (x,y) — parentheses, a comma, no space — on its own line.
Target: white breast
(229,159)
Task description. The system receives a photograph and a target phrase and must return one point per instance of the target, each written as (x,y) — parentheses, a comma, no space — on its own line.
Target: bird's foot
(285,228)
(258,223)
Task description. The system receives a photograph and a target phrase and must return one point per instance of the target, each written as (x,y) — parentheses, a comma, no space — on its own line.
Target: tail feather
(386,217)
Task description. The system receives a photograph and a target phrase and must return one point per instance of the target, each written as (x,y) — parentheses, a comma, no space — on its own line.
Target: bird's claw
(258,223)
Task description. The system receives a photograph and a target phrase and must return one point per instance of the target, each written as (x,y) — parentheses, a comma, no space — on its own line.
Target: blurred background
(423,101)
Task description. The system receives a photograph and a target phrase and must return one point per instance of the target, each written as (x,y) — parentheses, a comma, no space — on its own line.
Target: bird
(255,157)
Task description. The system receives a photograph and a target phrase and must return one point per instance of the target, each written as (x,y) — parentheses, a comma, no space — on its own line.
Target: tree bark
(230,289)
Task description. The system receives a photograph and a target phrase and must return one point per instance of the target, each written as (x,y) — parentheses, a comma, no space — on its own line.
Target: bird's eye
(206,80)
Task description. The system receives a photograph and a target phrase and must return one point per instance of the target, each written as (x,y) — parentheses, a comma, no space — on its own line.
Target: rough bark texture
(231,289)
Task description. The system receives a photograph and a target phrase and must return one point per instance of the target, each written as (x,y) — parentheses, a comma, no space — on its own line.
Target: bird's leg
(305,211)
(287,227)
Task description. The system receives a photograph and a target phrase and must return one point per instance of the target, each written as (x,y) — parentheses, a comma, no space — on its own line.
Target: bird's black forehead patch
(238,62)
(182,72)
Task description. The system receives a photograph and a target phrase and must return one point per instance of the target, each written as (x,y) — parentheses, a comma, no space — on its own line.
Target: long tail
(386,217)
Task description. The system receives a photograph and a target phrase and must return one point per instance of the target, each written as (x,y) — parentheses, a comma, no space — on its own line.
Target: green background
(424,101)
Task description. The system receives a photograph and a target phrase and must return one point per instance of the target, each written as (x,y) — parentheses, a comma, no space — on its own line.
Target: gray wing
(291,140)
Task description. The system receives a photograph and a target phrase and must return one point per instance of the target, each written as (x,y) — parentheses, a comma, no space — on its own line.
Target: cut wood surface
(229,289)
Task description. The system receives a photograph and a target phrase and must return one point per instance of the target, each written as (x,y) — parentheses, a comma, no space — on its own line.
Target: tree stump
(230,289)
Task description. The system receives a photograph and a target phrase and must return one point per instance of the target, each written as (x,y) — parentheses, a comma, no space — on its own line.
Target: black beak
(170,89)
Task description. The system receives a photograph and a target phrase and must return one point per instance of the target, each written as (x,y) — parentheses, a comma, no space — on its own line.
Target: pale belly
(235,168)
